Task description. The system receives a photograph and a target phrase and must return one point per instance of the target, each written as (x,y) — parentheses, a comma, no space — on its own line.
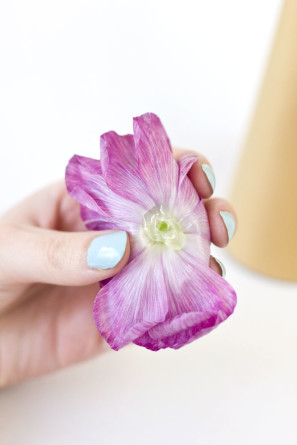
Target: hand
(46,287)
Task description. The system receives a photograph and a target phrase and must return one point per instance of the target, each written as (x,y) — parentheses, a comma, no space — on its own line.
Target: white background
(73,70)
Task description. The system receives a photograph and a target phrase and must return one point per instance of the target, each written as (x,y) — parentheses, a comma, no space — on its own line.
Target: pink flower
(166,296)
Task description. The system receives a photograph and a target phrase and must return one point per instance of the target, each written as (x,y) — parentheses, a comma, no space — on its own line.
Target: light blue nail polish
(210,175)
(221,266)
(106,251)
(230,223)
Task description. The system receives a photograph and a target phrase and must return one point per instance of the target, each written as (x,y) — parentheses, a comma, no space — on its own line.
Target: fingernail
(221,266)
(210,175)
(106,251)
(230,223)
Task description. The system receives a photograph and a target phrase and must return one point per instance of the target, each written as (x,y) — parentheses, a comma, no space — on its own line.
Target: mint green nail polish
(230,223)
(221,266)
(106,251)
(210,175)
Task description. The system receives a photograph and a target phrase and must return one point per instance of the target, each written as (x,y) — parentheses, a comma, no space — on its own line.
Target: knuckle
(54,252)
(7,231)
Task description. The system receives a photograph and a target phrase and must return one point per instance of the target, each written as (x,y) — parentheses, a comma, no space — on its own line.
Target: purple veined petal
(197,233)
(85,183)
(198,298)
(187,198)
(190,212)
(157,166)
(134,301)
(196,221)
(190,327)
(185,162)
(78,171)
(197,246)
(120,169)
(95,222)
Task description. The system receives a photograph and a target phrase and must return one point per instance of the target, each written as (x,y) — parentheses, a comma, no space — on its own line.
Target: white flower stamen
(160,227)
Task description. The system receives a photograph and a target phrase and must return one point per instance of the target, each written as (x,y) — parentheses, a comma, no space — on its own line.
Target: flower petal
(184,329)
(85,183)
(190,212)
(101,209)
(93,221)
(157,166)
(120,169)
(197,246)
(187,197)
(197,233)
(199,299)
(134,301)
(185,162)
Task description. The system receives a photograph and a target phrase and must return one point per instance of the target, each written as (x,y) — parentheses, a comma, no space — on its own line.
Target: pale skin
(46,287)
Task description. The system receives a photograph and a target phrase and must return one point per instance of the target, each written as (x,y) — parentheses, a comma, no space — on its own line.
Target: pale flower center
(161,228)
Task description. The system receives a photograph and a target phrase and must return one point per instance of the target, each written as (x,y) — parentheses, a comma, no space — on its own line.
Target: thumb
(32,254)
